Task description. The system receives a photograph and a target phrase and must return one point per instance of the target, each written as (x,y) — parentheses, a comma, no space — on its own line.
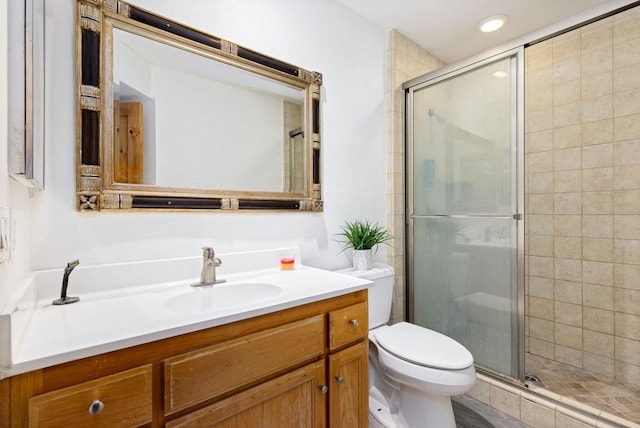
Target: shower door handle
(517,216)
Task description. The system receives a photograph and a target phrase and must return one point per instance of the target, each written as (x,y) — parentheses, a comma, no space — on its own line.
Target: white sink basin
(221,296)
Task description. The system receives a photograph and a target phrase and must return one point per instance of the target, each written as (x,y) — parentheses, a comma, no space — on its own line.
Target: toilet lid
(423,346)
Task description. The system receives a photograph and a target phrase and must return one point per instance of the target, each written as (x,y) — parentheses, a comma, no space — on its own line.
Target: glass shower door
(463,205)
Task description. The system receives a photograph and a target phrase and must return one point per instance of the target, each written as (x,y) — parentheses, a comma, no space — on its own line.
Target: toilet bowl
(413,371)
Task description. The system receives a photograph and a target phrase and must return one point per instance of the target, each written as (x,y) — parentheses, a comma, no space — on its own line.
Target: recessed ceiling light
(500,74)
(492,23)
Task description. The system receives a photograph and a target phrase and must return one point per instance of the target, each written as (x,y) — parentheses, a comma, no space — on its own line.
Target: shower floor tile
(616,398)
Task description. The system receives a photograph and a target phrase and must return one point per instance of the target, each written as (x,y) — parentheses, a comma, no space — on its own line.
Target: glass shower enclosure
(464,199)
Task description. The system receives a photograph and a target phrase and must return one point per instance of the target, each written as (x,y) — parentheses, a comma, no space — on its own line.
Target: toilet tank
(380,293)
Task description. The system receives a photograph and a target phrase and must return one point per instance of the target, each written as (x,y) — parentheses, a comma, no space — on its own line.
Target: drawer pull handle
(340,380)
(323,388)
(354,323)
(96,407)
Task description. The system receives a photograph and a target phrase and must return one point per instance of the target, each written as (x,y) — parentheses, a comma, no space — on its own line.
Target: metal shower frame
(517,117)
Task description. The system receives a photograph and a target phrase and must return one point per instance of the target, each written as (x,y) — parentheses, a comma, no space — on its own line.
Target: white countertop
(105,320)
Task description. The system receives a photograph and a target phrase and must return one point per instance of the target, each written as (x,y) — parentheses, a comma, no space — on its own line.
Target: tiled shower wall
(582,148)
(405,60)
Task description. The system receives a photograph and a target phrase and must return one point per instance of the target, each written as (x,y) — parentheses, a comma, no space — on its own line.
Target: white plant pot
(362,259)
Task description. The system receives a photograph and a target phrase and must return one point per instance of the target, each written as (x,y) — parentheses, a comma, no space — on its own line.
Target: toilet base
(424,410)
(382,414)
(418,410)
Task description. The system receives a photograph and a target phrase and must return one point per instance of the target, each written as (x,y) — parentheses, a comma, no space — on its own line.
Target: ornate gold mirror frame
(96,187)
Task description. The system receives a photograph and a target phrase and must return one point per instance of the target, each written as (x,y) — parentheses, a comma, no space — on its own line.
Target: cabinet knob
(96,407)
(323,388)
(340,380)
(354,322)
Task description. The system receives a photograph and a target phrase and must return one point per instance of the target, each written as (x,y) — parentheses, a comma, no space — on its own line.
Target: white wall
(234,138)
(12,194)
(319,35)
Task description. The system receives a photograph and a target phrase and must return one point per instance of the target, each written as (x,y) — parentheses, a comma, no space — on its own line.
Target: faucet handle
(72,264)
(208,253)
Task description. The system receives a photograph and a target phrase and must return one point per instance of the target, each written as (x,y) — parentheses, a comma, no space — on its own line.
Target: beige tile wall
(582,147)
(405,61)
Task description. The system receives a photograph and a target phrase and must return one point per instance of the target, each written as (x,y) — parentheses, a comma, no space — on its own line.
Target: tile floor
(604,394)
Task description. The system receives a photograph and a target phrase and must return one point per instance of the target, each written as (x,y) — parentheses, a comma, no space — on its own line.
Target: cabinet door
(293,400)
(348,387)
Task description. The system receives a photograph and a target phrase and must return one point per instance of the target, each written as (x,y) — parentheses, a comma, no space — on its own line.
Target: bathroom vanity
(302,363)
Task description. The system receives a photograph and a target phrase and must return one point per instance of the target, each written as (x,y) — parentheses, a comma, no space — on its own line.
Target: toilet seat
(430,380)
(423,347)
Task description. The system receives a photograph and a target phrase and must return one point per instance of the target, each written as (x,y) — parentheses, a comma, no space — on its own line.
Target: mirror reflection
(185,120)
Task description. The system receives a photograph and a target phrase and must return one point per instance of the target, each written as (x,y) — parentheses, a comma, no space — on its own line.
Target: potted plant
(363,237)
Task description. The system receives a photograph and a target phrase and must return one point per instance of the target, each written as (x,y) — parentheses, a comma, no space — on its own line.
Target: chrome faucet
(209,264)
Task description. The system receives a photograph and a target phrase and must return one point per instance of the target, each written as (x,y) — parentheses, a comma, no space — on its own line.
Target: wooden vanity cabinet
(301,367)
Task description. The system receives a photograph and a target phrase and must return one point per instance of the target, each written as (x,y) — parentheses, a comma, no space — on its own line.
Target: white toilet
(413,371)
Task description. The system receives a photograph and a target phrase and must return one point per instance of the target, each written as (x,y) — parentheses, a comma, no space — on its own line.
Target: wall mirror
(171,118)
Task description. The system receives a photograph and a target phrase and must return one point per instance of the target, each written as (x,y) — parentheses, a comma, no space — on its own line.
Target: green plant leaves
(363,235)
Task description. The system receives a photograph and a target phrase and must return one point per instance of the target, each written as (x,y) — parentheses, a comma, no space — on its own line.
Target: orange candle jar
(287,262)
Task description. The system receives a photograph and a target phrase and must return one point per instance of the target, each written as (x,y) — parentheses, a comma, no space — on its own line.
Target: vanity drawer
(119,400)
(348,325)
(208,373)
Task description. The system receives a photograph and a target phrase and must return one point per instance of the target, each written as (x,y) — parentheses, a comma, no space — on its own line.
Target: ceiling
(448,28)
